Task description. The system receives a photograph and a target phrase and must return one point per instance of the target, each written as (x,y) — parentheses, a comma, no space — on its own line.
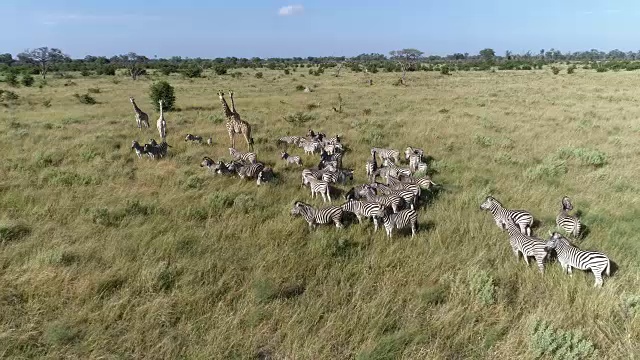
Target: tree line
(43,60)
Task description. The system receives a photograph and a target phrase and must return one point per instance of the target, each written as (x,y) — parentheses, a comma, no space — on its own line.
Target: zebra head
(553,241)
(488,202)
(135,144)
(566,204)
(296,209)
(206,162)
(311,134)
(351,194)
(153,142)
(284,155)
(188,137)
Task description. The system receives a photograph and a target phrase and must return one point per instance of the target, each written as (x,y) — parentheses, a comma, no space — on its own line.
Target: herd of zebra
(392,202)
(518,225)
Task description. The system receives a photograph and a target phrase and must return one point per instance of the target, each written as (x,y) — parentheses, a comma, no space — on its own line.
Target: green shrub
(27,80)
(85,73)
(444,70)
(8,95)
(287,72)
(220,69)
(300,87)
(192,72)
(601,69)
(550,168)
(559,344)
(12,232)
(11,79)
(106,70)
(482,286)
(555,70)
(589,157)
(167,69)
(259,75)
(571,69)
(526,67)
(85,99)
(162,90)
(298,118)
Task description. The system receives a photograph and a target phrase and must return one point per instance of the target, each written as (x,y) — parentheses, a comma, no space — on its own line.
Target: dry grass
(108,256)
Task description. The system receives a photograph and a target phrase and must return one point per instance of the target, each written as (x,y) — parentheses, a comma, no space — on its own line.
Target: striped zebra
(250,171)
(290,159)
(249,157)
(570,257)
(311,147)
(318,187)
(264,176)
(333,148)
(290,140)
(334,140)
(424,182)
(316,173)
(391,201)
(371,167)
(138,148)
(315,216)
(395,170)
(410,151)
(408,195)
(501,215)
(527,245)
(338,176)
(390,154)
(403,219)
(396,184)
(415,160)
(365,209)
(569,223)
(326,158)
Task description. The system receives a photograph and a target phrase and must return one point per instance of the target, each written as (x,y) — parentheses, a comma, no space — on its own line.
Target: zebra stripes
(527,245)
(501,215)
(250,171)
(337,176)
(570,257)
(290,159)
(193,138)
(248,157)
(569,223)
(315,216)
(392,202)
(403,219)
(371,167)
(390,154)
(295,140)
(411,151)
(365,209)
(408,196)
(414,162)
(318,187)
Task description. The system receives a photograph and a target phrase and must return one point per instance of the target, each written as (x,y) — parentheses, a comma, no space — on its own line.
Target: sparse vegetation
(85,99)
(546,341)
(555,70)
(27,80)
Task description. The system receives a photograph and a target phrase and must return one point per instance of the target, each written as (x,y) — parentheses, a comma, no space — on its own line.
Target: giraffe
(142,119)
(235,125)
(162,124)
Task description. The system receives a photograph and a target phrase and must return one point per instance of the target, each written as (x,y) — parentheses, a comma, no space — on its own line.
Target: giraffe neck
(161,113)
(136,108)
(225,108)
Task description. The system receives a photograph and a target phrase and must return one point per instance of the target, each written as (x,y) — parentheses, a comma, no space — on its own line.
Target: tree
(488,55)
(162,90)
(508,54)
(134,63)
(43,57)
(6,59)
(405,58)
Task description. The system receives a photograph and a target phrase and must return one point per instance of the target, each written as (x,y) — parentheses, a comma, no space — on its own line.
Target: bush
(106,70)
(220,69)
(259,75)
(192,72)
(85,73)
(298,118)
(27,80)
(559,344)
(287,72)
(166,70)
(162,90)
(482,285)
(300,87)
(555,70)
(85,99)
(444,70)
(601,69)
(571,69)
(11,79)
(7,95)
(526,67)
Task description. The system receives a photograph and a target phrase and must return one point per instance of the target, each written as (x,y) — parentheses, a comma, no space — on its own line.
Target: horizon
(271,29)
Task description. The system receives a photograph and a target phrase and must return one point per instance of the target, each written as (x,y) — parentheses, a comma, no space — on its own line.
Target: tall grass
(104,255)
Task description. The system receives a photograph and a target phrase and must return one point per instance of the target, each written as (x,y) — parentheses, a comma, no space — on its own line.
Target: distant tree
(405,58)
(6,59)
(43,57)
(487,55)
(507,55)
(134,63)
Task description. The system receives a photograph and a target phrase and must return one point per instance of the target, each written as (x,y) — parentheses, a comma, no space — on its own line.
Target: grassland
(107,256)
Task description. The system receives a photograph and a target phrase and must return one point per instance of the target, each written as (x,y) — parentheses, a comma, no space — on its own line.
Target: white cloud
(290,10)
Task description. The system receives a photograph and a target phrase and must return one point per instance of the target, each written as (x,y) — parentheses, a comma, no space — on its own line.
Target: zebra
(403,219)
(315,173)
(326,158)
(365,209)
(527,245)
(250,171)
(216,167)
(395,184)
(163,148)
(290,159)
(264,176)
(311,147)
(424,182)
(501,215)
(411,150)
(210,141)
(318,186)
(315,137)
(315,216)
(371,167)
(338,176)
(396,171)
(138,148)
(151,151)
(334,140)
(249,157)
(414,162)
(570,224)
(391,201)
(295,140)
(570,257)
(193,138)
(333,148)
(408,195)
(386,153)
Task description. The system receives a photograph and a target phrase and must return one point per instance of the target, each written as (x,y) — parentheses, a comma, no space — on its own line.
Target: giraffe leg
(248,140)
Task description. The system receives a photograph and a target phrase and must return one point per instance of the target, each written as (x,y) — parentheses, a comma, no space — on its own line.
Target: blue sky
(267,28)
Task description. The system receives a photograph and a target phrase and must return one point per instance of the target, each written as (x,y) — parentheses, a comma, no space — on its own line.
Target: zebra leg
(569,270)
(375,224)
(359,218)
(526,259)
(328,194)
(598,275)
(413,229)
(540,265)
